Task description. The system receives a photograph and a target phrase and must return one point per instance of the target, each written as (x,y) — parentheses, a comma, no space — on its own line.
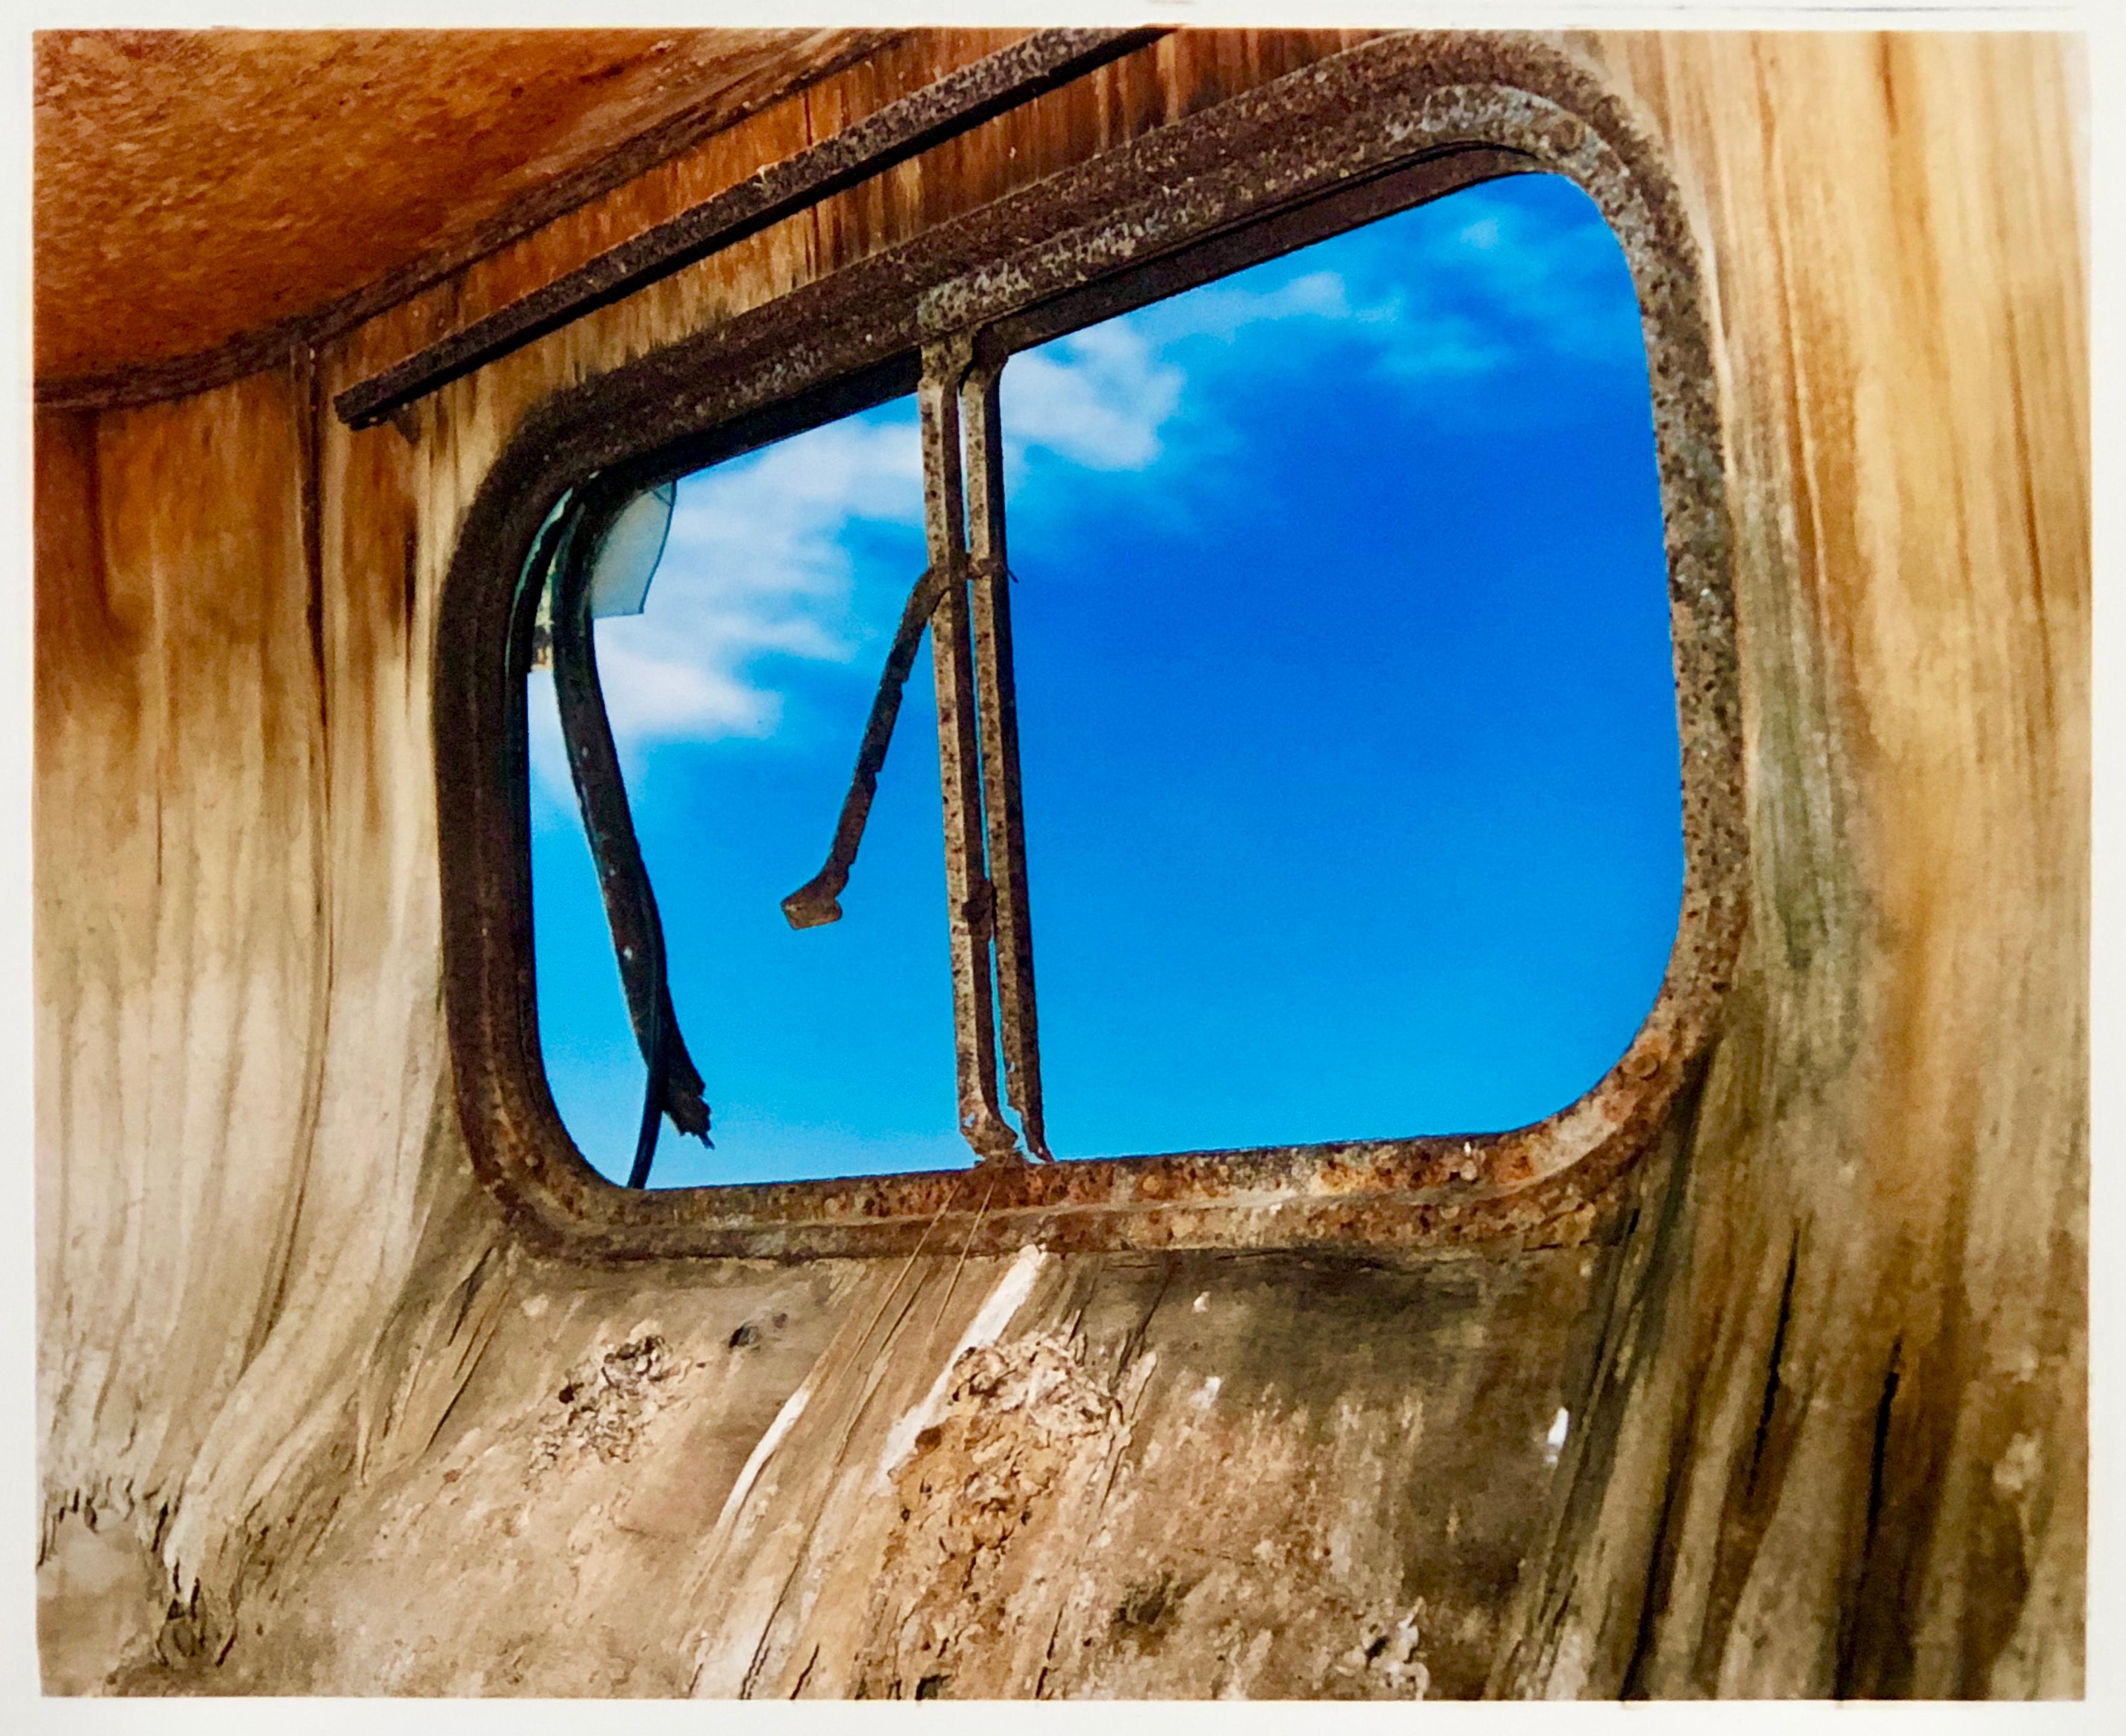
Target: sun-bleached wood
(301,1418)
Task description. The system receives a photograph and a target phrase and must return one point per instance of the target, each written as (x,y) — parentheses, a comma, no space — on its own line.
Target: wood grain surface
(312,1420)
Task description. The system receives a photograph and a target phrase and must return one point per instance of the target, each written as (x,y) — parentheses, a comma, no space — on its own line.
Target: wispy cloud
(1101,398)
(758,566)
(1525,271)
(1514,274)
(1447,296)
(1224,310)
(1097,399)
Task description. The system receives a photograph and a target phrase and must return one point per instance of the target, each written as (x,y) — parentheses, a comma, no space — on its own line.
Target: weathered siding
(1827,1386)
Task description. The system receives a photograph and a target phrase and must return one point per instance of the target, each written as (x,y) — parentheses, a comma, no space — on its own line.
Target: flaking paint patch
(1020,1450)
(990,1319)
(608,1399)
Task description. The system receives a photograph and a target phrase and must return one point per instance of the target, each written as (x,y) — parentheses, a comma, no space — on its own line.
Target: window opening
(1347,691)
(735,697)
(1138,580)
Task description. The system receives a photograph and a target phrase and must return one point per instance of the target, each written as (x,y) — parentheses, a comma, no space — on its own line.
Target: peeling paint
(989,1320)
(607,1400)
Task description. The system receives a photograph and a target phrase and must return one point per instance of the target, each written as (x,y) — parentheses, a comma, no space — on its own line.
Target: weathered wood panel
(1854,1458)
(180,906)
(1826,1389)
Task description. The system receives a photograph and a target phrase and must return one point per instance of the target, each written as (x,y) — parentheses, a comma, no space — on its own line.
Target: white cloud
(1433,297)
(757,565)
(1433,301)
(1224,310)
(1437,343)
(1097,399)
(1101,398)
(1531,282)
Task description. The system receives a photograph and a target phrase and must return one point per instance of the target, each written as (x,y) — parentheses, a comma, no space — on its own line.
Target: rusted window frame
(1379,128)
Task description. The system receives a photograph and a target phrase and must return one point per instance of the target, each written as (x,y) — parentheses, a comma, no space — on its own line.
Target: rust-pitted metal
(1003,817)
(902,129)
(1403,118)
(970,902)
(964,589)
(815,903)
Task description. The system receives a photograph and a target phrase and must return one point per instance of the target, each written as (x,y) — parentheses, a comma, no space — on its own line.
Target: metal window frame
(1379,128)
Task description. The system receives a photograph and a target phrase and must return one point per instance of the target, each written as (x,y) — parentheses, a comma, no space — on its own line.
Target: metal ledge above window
(1376,129)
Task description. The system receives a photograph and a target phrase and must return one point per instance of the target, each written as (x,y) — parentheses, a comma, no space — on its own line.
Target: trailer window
(1347,795)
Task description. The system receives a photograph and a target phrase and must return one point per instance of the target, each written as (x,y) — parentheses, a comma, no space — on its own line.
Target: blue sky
(1348,728)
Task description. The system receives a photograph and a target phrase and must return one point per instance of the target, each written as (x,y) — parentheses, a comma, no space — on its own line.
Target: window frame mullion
(970,899)
(997,698)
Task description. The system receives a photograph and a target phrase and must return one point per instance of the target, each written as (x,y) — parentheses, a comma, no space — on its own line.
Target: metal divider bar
(997,696)
(970,903)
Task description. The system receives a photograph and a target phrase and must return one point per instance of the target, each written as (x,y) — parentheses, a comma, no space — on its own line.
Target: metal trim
(996,700)
(1284,162)
(673,1084)
(969,900)
(953,105)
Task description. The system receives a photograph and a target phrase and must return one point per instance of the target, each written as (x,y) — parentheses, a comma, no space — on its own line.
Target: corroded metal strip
(970,902)
(994,955)
(673,1085)
(1003,811)
(953,105)
(1235,250)
(813,903)
(1377,1197)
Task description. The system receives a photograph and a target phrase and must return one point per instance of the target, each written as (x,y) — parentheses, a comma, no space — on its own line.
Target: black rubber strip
(674,1086)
